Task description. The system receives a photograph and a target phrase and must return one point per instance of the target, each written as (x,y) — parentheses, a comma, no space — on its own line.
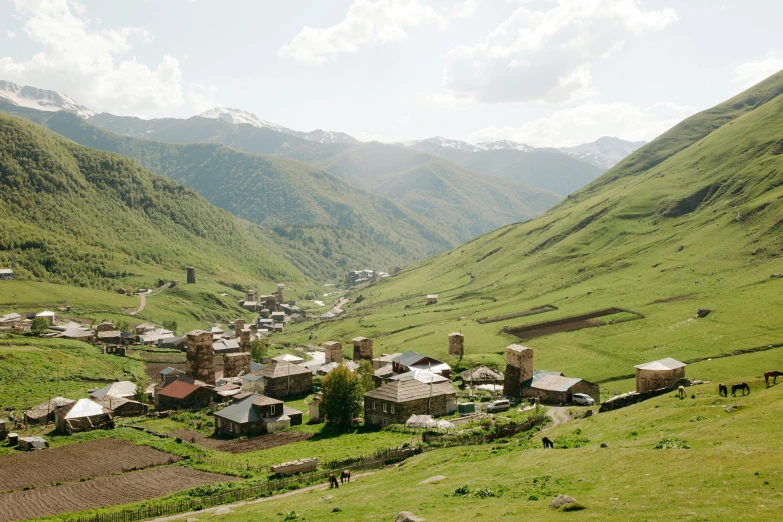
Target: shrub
(671,444)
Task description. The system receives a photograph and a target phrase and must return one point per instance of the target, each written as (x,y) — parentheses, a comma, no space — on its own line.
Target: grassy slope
(616,243)
(324,225)
(730,473)
(91,218)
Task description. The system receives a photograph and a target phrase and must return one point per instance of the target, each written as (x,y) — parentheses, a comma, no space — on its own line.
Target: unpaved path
(143,298)
(558,414)
(201,513)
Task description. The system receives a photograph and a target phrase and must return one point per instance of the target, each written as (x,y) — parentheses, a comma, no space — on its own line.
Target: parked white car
(499,405)
(583,399)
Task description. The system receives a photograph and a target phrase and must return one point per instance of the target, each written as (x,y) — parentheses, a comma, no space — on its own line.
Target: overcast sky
(543,72)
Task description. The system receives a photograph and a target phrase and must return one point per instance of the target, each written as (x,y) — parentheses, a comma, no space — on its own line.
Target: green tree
(140,395)
(39,326)
(342,397)
(170,325)
(365,373)
(258,349)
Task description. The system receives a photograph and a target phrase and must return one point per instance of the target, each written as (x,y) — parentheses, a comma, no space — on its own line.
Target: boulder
(680,248)
(588,413)
(562,500)
(604,445)
(407,516)
(436,478)
(703,312)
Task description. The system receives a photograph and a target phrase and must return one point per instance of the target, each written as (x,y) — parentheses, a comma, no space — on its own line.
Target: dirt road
(143,298)
(225,507)
(558,414)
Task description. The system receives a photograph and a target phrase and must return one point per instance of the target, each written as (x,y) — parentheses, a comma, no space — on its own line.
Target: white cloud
(201,97)
(751,73)
(382,21)
(589,122)
(465,9)
(88,63)
(547,55)
(10,34)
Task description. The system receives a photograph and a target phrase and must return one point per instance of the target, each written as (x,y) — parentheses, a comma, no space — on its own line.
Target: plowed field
(102,492)
(75,462)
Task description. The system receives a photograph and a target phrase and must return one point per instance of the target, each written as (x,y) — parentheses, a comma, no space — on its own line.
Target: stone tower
(244,339)
(235,364)
(200,361)
(519,368)
(239,324)
(362,349)
(334,352)
(191,275)
(280,288)
(456,344)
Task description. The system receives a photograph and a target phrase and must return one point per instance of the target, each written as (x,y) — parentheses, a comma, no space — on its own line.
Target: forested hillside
(85,217)
(325,226)
(466,203)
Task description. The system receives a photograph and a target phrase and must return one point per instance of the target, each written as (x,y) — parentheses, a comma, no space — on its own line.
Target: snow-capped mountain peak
(237,116)
(503,144)
(41,99)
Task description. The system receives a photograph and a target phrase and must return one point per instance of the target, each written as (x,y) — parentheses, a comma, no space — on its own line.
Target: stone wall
(235,364)
(362,349)
(648,380)
(440,405)
(621,401)
(200,360)
(456,344)
(279,388)
(334,352)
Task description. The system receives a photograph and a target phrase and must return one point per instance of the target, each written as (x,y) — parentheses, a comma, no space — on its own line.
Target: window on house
(272,410)
(392,408)
(374,406)
(384,407)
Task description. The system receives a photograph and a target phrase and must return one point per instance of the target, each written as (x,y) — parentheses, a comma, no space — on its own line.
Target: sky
(541,72)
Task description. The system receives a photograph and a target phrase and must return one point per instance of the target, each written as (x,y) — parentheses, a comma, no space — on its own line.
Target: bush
(671,444)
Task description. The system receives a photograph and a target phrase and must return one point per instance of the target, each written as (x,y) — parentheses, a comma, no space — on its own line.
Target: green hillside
(323,225)
(692,220)
(466,203)
(82,217)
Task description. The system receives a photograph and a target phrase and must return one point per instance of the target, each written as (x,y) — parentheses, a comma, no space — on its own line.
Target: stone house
(44,412)
(659,374)
(6,274)
(254,415)
(121,407)
(362,348)
(411,360)
(383,360)
(553,387)
(432,298)
(481,375)
(284,379)
(182,395)
(396,401)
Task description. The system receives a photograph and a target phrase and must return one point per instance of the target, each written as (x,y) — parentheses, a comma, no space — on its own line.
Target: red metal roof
(178,389)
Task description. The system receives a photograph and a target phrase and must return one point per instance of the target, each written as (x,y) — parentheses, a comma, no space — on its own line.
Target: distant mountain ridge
(41,99)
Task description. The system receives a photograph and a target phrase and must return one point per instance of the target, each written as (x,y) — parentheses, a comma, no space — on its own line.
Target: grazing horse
(723,390)
(681,391)
(345,476)
(739,386)
(547,443)
(333,481)
(774,374)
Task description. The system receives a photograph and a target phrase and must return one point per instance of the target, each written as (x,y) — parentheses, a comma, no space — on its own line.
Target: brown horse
(774,374)
(333,481)
(723,390)
(345,476)
(739,387)
(547,443)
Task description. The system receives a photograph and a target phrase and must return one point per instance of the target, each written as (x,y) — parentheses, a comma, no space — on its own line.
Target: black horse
(723,390)
(547,443)
(741,387)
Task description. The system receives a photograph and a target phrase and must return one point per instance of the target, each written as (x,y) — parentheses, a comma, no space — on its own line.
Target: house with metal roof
(424,376)
(660,374)
(125,389)
(384,359)
(255,414)
(554,387)
(6,274)
(224,346)
(183,395)
(44,412)
(481,375)
(287,357)
(83,415)
(121,407)
(411,360)
(396,401)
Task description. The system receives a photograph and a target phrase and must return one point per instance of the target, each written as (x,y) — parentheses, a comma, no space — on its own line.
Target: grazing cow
(547,443)
(740,386)
(681,391)
(774,374)
(723,390)
(345,476)
(333,481)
